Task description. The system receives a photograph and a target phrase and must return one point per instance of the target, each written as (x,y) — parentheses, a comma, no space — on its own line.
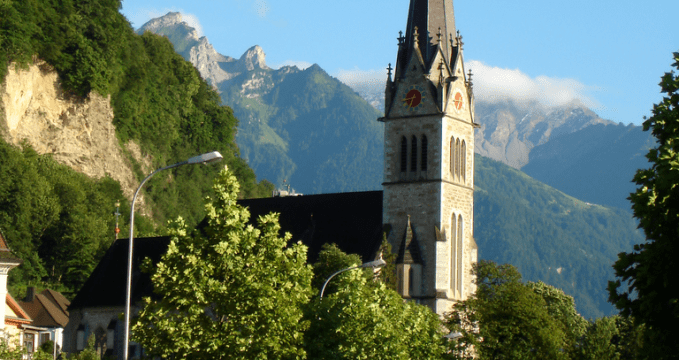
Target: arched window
(413,154)
(404,154)
(452,156)
(460,233)
(423,164)
(457,159)
(453,248)
(463,161)
(411,287)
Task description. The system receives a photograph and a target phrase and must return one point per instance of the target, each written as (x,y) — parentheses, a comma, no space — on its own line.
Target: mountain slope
(549,236)
(595,164)
(299,126)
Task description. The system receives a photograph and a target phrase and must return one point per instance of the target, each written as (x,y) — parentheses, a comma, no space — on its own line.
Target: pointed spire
(409,251)
(389,73)
(470,85)
(430,16)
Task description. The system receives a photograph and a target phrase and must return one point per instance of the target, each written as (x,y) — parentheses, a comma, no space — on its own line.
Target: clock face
(458,100)
(413,98)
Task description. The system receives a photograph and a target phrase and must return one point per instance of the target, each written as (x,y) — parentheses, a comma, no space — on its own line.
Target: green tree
(228,290)
(10,351)
(647,284)
(507,319)
(360,318)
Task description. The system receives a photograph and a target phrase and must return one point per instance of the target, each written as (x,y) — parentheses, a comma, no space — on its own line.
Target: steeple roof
(429,16)
(409,251)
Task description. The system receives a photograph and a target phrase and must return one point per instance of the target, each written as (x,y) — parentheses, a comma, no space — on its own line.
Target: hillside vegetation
(595,164)
(548,235)
(159,100)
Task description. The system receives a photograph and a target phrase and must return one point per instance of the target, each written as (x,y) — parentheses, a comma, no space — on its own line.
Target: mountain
(548,235)
(595,164)
(302,127)
(509,131)
(82,95)
(308,128)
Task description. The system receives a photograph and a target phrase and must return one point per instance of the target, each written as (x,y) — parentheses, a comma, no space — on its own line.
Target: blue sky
(607,54)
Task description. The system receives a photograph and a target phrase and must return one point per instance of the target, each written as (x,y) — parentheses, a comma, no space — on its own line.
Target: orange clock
(458,101)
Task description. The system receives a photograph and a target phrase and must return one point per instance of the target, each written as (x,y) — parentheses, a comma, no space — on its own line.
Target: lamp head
(374,264)
(206,158)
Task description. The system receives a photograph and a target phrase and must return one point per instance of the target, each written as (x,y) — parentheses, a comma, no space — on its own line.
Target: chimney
(30,294)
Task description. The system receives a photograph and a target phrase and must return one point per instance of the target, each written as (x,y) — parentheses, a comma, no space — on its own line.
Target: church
(426,207)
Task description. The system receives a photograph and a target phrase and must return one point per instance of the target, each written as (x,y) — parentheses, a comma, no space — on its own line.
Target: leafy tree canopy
(228,290)
(361,318)
(647,285)
(507,319)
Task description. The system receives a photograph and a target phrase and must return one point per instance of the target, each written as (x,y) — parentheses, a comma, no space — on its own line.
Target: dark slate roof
(429,16)
(353,221)
(107,283)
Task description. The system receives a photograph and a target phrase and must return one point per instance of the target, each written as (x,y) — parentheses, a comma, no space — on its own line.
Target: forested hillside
(548,235)
(595,164)
(302,126)
(49,214)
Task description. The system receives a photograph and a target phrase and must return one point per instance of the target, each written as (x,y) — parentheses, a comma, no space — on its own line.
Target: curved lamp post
(200,159)
(372,264)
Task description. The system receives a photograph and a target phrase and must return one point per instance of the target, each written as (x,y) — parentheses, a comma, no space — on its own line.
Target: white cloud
(300,64)
(144,15)
(357,78)
(494,84)
(193,22)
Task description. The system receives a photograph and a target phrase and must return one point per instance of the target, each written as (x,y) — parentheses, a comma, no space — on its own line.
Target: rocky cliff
(76,132)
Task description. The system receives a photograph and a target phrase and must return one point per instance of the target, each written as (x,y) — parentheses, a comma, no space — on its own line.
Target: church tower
(428,184)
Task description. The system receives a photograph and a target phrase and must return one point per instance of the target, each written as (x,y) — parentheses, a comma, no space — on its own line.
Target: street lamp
(372,264)
(200,159)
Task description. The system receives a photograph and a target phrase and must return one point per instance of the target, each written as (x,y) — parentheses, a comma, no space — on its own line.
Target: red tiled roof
(22,316)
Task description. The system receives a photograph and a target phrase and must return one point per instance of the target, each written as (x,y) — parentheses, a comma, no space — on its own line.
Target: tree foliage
(361,318)
(56,220)
(507,319)
(647,285)
(228,290)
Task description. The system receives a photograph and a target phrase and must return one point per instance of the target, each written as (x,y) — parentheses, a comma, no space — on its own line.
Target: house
(425,207)
(17,326)
(48,310)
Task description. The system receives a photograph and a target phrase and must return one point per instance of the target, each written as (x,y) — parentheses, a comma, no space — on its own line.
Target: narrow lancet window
(453,252)
(452,157)
(404,154)
(423,165)
(460,233)
(413,154)
(463,161)
(457,159)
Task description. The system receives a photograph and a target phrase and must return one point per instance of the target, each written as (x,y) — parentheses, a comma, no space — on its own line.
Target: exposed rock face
(214,67)
(206,59)
(76,132)
(508,132)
